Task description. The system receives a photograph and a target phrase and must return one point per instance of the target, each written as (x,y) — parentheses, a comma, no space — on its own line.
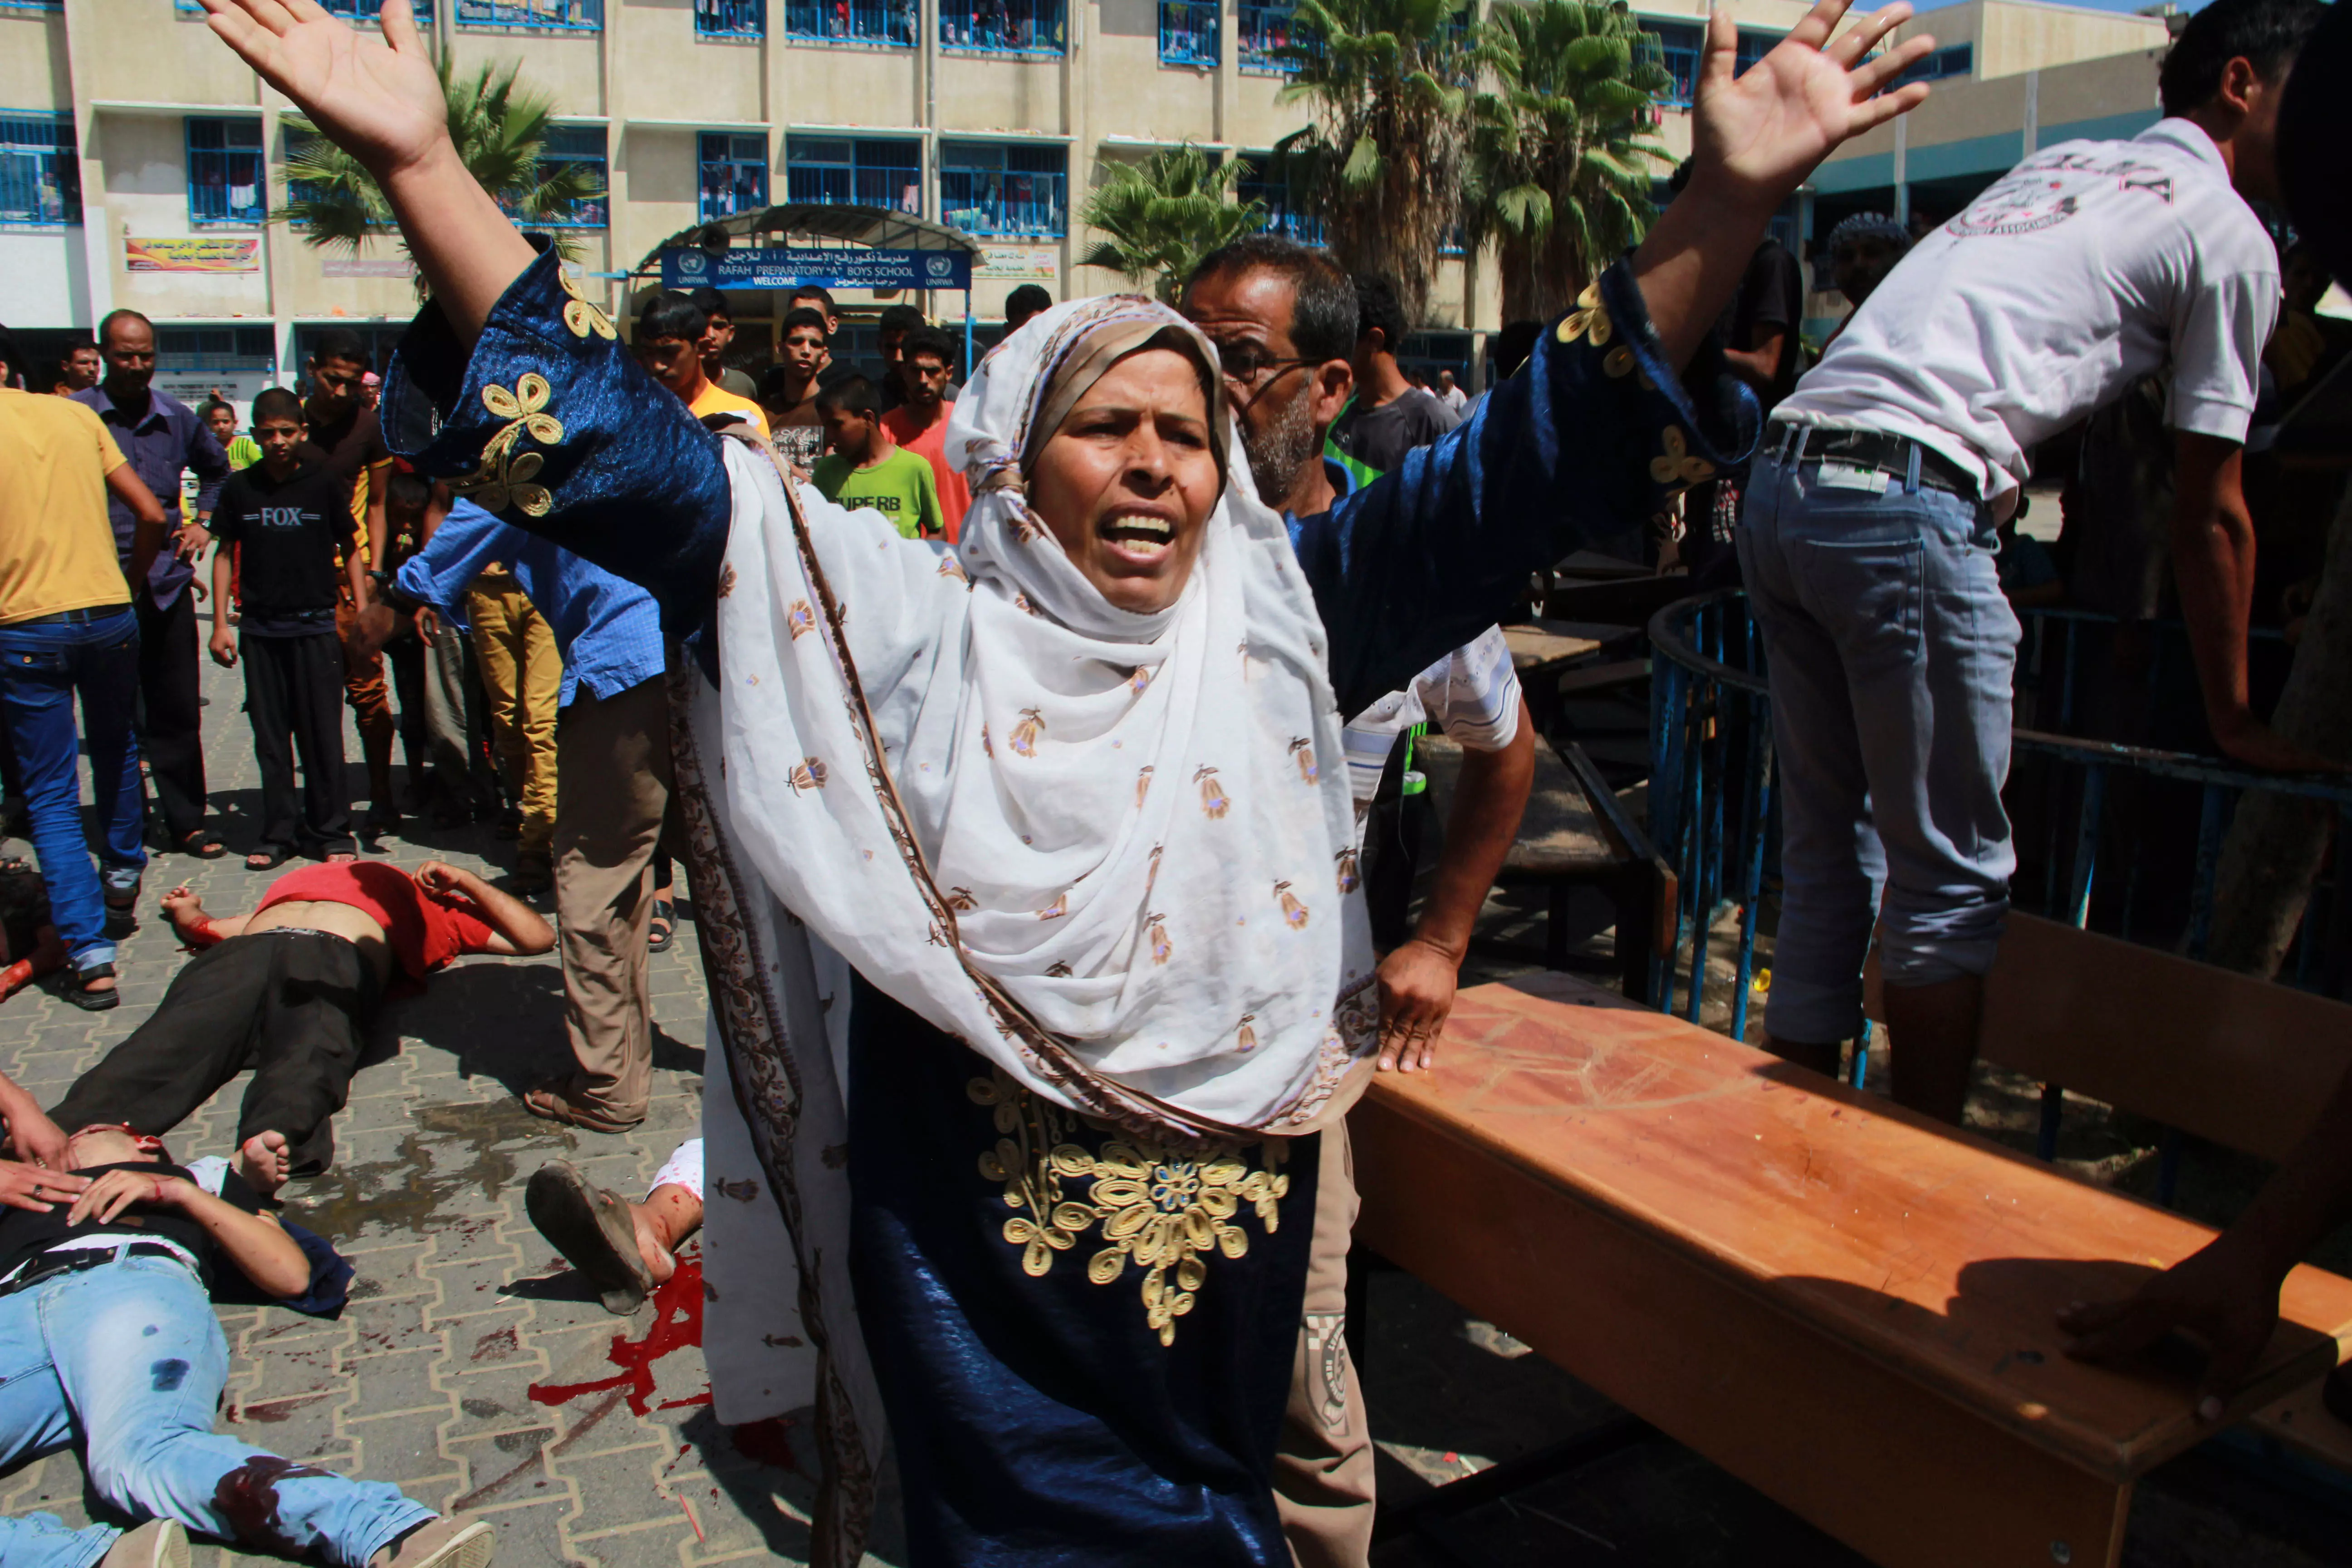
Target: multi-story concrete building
(140,164)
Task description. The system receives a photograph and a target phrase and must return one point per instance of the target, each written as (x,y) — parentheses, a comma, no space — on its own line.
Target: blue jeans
(41,670)
(128,1357)
(1891,651)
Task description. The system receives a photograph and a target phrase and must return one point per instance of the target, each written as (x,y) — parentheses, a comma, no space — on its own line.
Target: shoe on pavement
(590,1225)
(158,1543)
(457,1542)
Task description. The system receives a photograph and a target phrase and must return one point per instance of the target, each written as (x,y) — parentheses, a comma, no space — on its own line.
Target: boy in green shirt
(865,468)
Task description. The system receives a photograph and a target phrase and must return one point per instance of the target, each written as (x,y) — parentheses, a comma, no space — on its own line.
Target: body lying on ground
(288,991)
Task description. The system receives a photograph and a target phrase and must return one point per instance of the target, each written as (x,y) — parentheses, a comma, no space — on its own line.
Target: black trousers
(405,658)
(294,695)
(290,1004)
(171,710)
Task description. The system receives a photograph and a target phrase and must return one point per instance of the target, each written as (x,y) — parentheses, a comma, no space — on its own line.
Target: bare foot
(657,1259)
(264,1162)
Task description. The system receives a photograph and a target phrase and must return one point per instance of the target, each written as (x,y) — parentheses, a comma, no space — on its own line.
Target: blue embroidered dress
(1041,1414)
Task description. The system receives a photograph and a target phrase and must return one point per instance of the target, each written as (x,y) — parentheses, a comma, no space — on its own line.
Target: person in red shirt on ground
(287,991)
(920,422)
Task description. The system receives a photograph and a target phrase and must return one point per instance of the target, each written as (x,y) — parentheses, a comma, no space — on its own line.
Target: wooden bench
(1846,1306)
(2216,1055)
(1573,833)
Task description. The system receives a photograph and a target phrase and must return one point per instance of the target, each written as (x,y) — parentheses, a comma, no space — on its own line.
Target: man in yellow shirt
(67,629)
(669,344)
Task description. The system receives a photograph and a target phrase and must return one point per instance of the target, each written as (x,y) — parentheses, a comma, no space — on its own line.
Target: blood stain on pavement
(678,1325)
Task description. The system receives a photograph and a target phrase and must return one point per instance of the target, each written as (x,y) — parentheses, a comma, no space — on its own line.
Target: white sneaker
(456,1541)
(158,1543)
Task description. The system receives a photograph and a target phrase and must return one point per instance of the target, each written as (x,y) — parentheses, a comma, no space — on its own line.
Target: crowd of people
(1031,744)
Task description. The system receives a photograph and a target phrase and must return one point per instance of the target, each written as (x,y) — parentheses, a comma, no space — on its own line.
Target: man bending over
(106,1319)
(288,991)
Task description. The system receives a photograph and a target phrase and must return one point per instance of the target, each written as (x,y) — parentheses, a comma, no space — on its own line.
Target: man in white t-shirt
(1868,536)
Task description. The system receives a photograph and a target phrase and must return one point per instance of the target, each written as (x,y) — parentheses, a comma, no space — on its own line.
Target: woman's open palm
(379,98)
(1768,129)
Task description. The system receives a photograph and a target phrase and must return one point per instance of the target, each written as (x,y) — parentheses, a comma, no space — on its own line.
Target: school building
(140,164)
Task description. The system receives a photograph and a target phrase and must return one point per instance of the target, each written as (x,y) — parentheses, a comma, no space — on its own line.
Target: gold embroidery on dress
(1589,317)
(504,478)
(1677,465)
(1620,361)
(1163,1207)
(581,316)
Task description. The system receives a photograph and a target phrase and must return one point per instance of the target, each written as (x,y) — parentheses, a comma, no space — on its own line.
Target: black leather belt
(49,1265)
(71,618)
(1888,454)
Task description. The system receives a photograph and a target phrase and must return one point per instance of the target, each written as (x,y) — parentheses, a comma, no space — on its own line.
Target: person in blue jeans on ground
(1868,541)
(68,630)
(107,1341)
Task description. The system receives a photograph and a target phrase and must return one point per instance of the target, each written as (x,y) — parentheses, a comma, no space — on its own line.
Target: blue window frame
(215,348)
(734,174)
(32,4)
(1003,26)
(227,185)
(1004,190)
(1188,32)
(1958,60)
(840,170)
(730,18)
(583,147)
(1679,44)
(1259,185)
(891,24)
(1266,29)
(41,177)
(1754,47)
(533,15)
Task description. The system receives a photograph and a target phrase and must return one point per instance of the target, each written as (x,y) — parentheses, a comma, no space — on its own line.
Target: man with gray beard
(1283,319)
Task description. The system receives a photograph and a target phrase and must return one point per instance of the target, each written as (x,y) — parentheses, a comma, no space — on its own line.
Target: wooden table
(1846,1306)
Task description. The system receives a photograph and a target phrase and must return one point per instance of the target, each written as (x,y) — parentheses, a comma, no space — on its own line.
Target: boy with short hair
(866,468)
(788,390)
(220,419)
(106,1316)
(669,346)
(920,423)
(287,517)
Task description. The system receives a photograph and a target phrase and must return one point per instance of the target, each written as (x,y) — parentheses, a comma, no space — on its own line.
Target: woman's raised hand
(1757,137)
(379,98)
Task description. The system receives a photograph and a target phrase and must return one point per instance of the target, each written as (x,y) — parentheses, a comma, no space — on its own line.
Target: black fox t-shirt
(25,1235)
(289,530)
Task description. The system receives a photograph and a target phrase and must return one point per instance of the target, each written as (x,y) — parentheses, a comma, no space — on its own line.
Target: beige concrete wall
(818,84)
(1000,92)
(33,68)
(145,160)
(148,51)
(568,67)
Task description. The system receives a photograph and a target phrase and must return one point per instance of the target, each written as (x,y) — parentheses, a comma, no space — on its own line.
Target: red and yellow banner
(199,254)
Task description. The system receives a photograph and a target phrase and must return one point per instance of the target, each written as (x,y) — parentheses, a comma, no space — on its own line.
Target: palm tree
(1560,166)
(1383,163)
(500,128)
(1166,213)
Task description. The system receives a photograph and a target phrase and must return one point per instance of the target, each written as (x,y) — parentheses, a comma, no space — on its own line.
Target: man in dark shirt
(346,439)
(106,1319)
(160,438)
(1389,416)
(291,514)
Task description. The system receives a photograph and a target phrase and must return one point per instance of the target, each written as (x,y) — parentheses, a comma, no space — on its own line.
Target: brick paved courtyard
(472,1369)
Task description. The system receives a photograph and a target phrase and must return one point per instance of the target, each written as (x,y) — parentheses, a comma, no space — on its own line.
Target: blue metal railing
(1188,32)
(1008,205)
(533,15)
(1263,31)
(730,18)
(889,22)
(1002,27)
(1712,788)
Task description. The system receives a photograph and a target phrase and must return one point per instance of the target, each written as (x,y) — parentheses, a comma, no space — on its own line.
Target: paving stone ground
(473,1370)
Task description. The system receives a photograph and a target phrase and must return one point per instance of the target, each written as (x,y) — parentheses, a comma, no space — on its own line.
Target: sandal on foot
(76,990)
(552,1104)
(590,1225)
(267,859)
(204,845)
(664,925)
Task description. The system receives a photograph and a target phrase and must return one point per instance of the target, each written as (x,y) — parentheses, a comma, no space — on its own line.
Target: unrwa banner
(193,255)
(797,266)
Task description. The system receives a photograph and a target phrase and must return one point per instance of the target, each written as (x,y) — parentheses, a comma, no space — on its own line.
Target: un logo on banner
(691,263)
(941,265)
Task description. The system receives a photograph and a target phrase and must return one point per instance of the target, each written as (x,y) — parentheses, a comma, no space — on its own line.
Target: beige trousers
(1323,1467)
(523,675)
(612,794)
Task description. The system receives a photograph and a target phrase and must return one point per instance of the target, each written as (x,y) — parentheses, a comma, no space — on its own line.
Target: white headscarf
(1113,853)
